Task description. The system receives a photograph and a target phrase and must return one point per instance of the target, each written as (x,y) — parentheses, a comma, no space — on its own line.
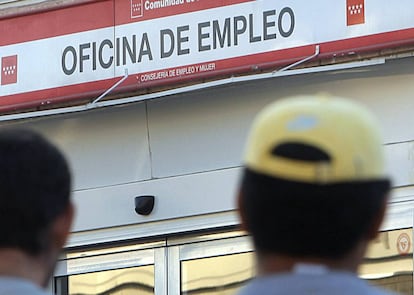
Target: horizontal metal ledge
(185,89)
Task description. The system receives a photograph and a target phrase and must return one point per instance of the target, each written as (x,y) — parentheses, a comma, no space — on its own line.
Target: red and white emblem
(355,12)
(136,8)
(403,244)
(9,70)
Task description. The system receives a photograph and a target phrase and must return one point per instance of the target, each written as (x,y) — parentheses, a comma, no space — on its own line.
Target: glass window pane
(126,281)
(221,275)
(389,261)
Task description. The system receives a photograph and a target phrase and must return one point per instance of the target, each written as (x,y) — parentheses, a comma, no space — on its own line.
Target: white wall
(183,148)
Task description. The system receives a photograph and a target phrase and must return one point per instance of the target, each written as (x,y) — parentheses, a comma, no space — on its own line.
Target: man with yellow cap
(313,195)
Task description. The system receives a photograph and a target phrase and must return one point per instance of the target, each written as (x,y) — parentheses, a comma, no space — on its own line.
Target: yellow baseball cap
(316,140)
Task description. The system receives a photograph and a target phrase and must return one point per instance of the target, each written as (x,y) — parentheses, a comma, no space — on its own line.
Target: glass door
(136,269)
(210,264)
(217,264)
(225,263)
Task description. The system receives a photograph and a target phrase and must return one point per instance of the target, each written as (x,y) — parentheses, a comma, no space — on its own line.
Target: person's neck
(269,263)
(16,263)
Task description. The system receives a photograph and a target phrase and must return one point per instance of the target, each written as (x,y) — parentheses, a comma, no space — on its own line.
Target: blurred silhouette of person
(36,211)
(313,194)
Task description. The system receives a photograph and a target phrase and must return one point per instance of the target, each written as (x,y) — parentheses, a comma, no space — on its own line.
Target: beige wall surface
(186,149)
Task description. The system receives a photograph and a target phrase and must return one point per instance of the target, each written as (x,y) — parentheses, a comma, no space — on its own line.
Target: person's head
(35,186)
(314,183)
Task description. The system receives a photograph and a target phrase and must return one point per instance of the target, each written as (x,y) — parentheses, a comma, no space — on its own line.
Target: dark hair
(35,186)
(309,220)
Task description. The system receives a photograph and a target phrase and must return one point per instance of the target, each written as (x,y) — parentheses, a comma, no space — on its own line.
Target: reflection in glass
(389,261)
(221,275)
(127,281)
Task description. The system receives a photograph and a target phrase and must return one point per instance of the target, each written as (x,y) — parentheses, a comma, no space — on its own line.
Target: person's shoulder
(273,284)
(16,286)
(331,283)
(379,291)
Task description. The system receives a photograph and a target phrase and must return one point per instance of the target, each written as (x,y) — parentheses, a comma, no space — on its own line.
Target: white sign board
(78,52)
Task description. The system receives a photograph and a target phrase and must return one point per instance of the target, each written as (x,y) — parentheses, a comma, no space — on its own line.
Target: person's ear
(62,226)
(374,229)
(241,211)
